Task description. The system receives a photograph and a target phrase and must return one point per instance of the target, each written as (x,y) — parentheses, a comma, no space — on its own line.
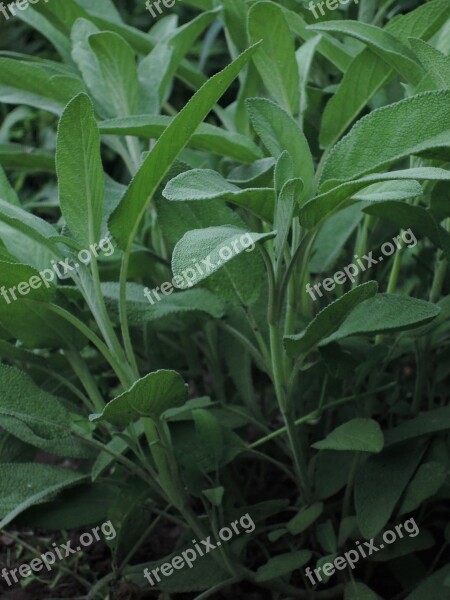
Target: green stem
(86,378)
(92,337)
(315,414)
(123,310)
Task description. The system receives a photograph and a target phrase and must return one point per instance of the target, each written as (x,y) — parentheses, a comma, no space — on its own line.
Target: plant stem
(316,414)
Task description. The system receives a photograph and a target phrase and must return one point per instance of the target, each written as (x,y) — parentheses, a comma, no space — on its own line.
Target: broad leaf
(148,397)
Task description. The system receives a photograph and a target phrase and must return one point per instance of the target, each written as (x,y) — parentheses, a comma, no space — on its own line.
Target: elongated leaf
(283,564)
(25,83)
(14,156)
(428,480)
(117,64)
(435,63)
(334,196)
(80,171)
(358,435)
(25,485)
(433,422)
(390,134)
(287,202)
(205,184)
(149,397)
(420,220)
(379,484)
(383,43)
(7,192)
(127,216)
(384,313)
(145,307)
(279,132)
(329,319)
(275,58)
(206,137)
(368,72)
(305,518)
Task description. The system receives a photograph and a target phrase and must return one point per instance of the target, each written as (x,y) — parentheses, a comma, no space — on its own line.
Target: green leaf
(428,480)
(275,58)
(204,249)
(25,485)
(14,156)
(279,132)
(215,495)
(390,134)
(435,586)
(80,172)
(434,421)
(206,137)
(330,48)
(379,484)
(7,192)
(209,433)
(305,518)
(332,238)
(358,435)
(368,73)
(287,202)
(384,313)
(382,43)
(170,52)
(148,397)
(30,84)
(35,416)
(415,218)
(332,198)
(282,564)
(117,64)
(435,63)
(329,320)
(125,220)
(205,184)
(142,309)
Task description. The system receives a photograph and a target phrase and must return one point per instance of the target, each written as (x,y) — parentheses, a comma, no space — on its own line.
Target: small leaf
(282,564)
(305,518)
(148,397)
(358,435)
(215,495)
